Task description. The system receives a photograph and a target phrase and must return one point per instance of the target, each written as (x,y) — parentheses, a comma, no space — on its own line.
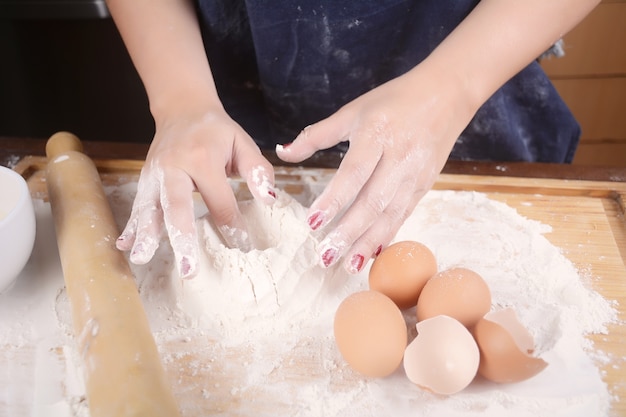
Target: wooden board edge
(612,189)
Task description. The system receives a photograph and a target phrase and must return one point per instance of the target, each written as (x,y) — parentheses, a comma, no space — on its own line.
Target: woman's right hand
(196,145)
(194,150)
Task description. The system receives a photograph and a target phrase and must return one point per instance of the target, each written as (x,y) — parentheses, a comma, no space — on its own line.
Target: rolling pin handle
(62,142)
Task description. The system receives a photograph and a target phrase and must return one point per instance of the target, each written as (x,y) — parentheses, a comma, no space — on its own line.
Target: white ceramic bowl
(17,226)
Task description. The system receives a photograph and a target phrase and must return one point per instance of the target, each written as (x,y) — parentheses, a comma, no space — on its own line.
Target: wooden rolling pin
(123,372)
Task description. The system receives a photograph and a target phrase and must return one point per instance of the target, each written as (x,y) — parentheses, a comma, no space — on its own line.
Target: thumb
(321,135)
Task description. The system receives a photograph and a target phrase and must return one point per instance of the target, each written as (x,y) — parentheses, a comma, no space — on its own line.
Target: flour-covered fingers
(382,231)
(373,198)
(148,235)
(180,222)
(219,198)
(353,173)
(126,240)
(257,172)
(143,232)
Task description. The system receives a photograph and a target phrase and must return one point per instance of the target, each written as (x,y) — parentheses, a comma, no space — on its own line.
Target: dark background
(66,68)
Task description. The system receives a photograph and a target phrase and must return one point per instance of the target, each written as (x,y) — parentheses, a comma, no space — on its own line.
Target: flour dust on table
(252,333)
(272,308)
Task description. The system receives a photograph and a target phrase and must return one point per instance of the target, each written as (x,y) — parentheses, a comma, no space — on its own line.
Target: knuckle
(394,215)
(224,215)
(368,242)
(374,204)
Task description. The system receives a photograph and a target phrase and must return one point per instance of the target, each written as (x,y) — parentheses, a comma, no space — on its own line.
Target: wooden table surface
(590,199)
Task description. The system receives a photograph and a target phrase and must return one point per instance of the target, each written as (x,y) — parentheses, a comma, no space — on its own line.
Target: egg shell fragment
(370,333)
(401,270)
(443,358)
(456,292)
(505,348)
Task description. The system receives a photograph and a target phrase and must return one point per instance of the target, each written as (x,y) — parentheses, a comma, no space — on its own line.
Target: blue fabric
(281,65)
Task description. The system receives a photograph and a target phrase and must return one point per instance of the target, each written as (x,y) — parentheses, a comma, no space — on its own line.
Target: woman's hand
(402,132)
(400,135)
(196,146)
(194,150)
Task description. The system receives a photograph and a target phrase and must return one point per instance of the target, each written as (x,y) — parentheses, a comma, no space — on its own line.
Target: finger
(353,173)
(219,198)
(372,201)
(385,202)
(146,222)
(381,232)
(179,218)
(148,234)
(127,238)
(258,174)
(322,135)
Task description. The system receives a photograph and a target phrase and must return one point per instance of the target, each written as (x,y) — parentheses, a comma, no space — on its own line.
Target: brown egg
(370,333)
(505,348)
(401,270)
(443,357)
(457,292)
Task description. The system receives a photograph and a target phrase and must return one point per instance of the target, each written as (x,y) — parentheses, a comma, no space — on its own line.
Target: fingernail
(138,254)
(119,243)
(316,219)
(137,250)
(185,268)
(282,148)
(378,250)
(262,181)
(328,257)
(356,263)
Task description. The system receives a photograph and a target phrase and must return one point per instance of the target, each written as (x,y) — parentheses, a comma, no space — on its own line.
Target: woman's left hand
(400,136)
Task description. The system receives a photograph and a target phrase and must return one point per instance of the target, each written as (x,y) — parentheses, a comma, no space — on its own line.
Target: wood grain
(591,78)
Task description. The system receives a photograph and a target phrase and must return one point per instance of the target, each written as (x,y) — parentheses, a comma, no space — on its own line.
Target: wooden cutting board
(587,219)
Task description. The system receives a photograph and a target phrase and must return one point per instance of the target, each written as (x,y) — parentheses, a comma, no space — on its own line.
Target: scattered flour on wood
(251,334)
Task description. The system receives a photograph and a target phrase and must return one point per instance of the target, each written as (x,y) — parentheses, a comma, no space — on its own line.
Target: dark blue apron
(282,65)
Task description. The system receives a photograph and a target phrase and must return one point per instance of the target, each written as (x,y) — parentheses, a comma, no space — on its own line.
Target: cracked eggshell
(401,270)
(370,333)
(456,292)
(506,348)
(443,357)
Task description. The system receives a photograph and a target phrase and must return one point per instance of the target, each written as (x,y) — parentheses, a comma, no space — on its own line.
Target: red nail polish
(356,263)
(138,249)
(328,257)
(316,220)
(286,145)
(185,267)
(272,193)
(378,250)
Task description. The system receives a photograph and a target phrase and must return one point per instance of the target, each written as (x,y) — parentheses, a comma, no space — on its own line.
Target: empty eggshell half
(456,292)
(401,270)
(506,347)
(443,357)
(370,333)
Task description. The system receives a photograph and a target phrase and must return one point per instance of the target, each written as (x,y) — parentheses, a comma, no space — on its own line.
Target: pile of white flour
(251,334)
